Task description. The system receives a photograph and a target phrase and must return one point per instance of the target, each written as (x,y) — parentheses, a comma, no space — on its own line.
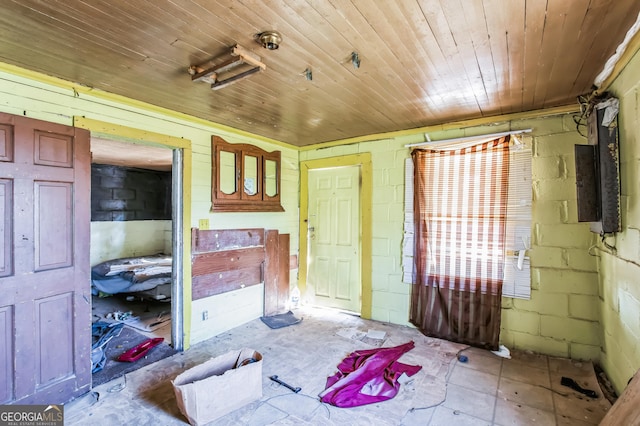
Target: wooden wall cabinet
(244,178)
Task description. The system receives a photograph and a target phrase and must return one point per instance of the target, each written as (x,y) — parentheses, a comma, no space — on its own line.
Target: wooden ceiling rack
(240,65)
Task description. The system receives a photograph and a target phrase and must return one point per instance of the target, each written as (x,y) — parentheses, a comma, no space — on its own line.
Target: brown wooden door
(45,297)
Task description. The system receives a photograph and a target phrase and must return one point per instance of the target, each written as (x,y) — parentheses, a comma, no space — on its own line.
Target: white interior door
(333,276)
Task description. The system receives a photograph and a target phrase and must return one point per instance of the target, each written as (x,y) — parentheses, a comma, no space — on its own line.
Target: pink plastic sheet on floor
(368,376)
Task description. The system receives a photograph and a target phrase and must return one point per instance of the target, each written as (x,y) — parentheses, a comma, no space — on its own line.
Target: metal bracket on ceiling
(240,65)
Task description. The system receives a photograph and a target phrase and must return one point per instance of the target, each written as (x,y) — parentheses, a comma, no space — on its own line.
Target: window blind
(517,276)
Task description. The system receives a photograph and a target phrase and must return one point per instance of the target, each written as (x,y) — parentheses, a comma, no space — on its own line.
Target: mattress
(133,275)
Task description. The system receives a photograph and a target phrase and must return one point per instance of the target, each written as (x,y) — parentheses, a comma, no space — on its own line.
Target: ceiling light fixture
(219,74)
(270,39)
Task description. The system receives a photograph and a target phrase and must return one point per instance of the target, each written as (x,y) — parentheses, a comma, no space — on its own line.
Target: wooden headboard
(230,259)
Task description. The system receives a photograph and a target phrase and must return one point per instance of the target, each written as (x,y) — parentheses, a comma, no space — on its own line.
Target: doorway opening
(133,269)
(314,266)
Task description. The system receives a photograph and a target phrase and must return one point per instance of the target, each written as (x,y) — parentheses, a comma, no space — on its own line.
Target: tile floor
(485,390)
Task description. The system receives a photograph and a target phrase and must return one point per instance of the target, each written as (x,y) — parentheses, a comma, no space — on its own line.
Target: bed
(143,276)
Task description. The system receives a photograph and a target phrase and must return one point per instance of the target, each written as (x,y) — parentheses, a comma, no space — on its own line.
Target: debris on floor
(375,338)
(150,322)
(102,333)
(146,322)
(368,376)
(285,384)
(351,333)
(120,316)
(376,334)
(605,384)
(140,350)
(570,383)
(502,352)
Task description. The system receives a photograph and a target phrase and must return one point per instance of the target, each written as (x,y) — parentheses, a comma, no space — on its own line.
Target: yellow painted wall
(619,284)
(583,306)
(562,316)
(111,240)
(44,98)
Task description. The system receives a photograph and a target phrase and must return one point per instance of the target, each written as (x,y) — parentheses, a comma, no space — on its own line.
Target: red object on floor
(368,376)
(140,350)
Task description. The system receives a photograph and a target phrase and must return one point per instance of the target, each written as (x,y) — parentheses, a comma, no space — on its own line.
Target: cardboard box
(219,386)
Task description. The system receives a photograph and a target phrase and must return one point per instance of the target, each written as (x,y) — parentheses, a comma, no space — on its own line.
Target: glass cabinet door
(244,178)
(250,177)
(270,178)
(228,180)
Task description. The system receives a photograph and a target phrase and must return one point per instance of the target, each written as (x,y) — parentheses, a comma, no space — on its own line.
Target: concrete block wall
(562,317)
(123,193)
(619,285)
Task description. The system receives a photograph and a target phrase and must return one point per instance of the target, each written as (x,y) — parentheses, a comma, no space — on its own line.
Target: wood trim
(271,273)
(124,132)
(222,282)
(228,206)
(77,89)
(206,240)
(625,411)
(366,193)
(453,125)
(283,273)
(240,201)
(98,126)
(227,260)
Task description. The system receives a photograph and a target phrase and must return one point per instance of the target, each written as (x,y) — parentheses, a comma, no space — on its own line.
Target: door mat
(281,320)
(127,339)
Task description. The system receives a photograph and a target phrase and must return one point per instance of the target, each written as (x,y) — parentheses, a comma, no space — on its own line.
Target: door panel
(6,236)
(343,276)
(53,225)
(344,236)
(322,268)
(6,142)
(44,271)
(6,352)
(53,150)
(53,330)
(334,237)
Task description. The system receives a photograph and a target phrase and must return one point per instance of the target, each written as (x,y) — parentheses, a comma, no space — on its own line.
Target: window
(517,281)
(244,178)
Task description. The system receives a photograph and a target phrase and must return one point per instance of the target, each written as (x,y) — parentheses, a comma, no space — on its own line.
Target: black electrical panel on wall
(598,170)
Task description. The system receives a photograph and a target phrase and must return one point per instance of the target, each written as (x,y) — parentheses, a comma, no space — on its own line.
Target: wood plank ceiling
(422,62)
